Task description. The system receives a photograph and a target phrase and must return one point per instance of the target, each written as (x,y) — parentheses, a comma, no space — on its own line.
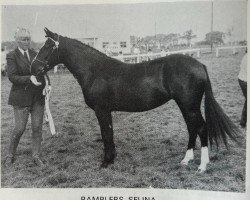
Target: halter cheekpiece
(54,47)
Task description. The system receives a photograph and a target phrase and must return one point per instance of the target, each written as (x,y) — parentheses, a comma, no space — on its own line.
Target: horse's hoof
(105,164)
(184,162)
(201,170)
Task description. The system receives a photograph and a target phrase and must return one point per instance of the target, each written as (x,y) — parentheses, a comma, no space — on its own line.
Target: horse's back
(144,86)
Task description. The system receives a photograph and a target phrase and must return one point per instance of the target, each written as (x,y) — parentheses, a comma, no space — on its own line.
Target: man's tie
(26,56)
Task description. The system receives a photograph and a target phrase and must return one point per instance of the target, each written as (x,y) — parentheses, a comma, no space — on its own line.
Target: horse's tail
(219,126)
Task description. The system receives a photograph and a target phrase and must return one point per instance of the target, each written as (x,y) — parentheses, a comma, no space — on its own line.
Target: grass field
(150,145)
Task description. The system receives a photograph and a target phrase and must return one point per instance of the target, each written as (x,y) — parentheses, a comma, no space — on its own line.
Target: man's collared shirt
(22,51)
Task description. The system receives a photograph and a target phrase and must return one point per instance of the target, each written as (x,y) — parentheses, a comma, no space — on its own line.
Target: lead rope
(48,116)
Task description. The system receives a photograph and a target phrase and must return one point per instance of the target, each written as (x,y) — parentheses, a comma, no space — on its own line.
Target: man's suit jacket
(23,92)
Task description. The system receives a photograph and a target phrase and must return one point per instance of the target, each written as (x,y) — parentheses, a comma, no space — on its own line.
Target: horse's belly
(135,100)
(138,108)
(134,96)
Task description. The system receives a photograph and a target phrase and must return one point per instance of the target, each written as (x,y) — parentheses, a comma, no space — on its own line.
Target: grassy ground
(150,145)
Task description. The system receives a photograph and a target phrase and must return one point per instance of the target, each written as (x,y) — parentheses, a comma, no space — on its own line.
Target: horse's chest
(97,93)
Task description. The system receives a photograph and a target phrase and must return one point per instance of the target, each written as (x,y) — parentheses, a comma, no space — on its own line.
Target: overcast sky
(121,20)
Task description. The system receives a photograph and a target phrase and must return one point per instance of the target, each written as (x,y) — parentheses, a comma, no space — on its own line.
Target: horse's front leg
(105,121)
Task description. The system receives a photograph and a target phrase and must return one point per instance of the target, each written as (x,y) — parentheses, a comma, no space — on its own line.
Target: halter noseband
(46,65)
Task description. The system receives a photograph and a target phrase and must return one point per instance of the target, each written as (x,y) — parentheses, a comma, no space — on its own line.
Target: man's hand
(34,81)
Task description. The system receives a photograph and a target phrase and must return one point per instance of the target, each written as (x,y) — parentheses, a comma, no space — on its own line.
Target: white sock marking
(189,156)
(204,159)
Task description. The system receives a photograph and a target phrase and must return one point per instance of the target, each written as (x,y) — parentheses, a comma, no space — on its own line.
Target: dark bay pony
(110,85)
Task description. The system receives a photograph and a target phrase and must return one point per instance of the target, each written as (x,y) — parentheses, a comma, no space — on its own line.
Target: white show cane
(48,116)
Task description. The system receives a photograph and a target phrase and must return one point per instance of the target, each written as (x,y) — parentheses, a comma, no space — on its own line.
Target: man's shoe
(9,161)
(38,162)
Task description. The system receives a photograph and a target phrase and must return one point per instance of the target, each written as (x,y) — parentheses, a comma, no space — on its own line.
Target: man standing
(243,84)
(3,62)
(26,96)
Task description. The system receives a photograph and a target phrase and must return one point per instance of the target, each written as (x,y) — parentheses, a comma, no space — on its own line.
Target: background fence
(233,48)
(137,58)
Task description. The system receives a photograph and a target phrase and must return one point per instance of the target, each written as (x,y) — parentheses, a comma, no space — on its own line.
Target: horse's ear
(48,33)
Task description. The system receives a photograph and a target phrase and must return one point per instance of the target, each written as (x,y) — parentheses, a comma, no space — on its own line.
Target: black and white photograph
(124,97)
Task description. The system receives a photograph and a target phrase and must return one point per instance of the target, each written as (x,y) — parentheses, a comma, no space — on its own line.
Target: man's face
(23,42)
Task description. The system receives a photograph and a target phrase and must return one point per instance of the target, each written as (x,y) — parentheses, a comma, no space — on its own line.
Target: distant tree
(170,39)
(243,43)
(202,43)
(188,35)
(165,41)
(215,37)
(135,41)
(9,45)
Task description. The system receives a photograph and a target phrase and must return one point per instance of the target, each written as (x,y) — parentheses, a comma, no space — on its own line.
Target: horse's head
(48,56)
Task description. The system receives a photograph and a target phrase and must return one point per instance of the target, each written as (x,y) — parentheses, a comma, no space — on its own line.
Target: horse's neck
(79,59)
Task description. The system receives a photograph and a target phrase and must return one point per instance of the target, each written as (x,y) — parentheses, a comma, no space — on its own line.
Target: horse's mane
(85,47)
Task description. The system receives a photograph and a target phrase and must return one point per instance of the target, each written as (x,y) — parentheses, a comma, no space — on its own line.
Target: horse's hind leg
(105,121)
(196,126)
(204,148)
(193,122)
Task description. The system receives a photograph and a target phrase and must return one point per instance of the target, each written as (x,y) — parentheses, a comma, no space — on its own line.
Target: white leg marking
(189,156)
(204,160)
